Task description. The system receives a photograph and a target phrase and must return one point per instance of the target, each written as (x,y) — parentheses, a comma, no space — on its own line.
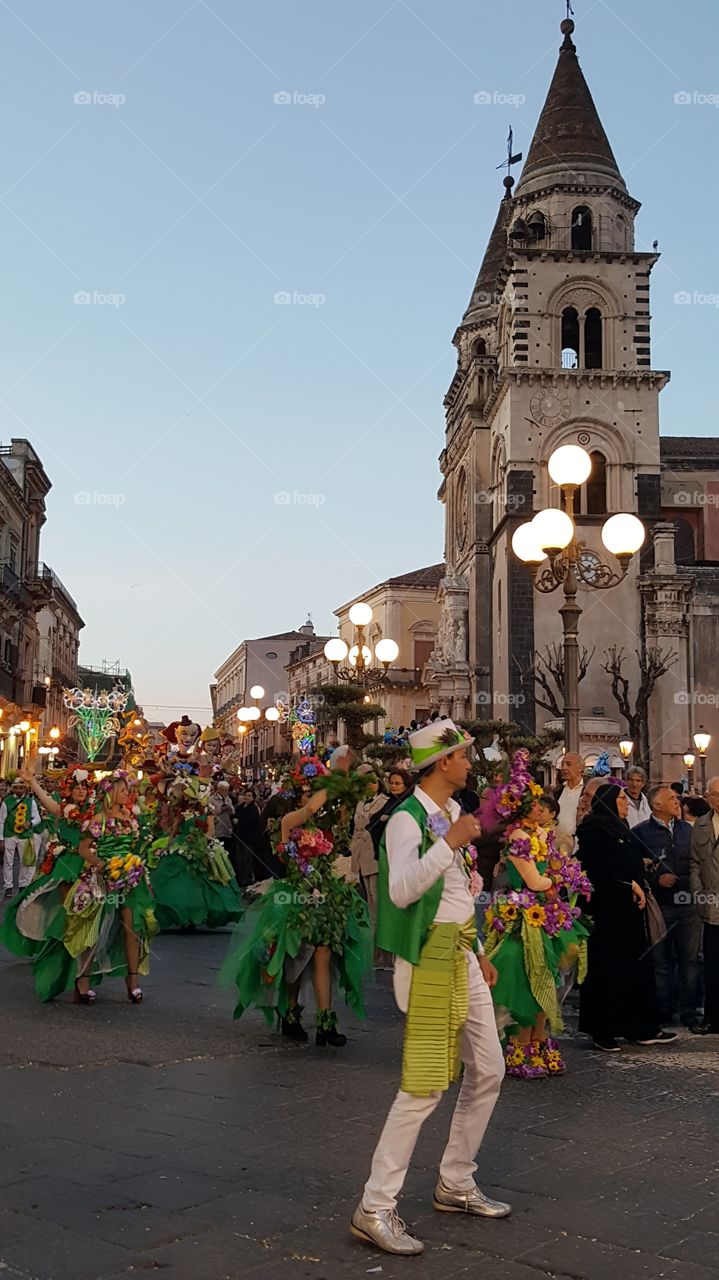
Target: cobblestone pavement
(166,1137)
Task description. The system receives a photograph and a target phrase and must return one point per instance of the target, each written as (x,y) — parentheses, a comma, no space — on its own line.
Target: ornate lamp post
(626,747)
(250,718)
(552,535)
(360,670)
(689,759)
(701,742)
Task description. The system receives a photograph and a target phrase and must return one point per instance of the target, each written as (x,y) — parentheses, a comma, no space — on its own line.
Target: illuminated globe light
(525,546)
(253,713)
(626,747)
(360,615)
(243,713)
(257,691)
(386,651)
(623,534)
(336,650)
(272,714)
(55,733)
(570,465)
(24,725)
(689,759)
(553,529)
(701,741)
(353,655)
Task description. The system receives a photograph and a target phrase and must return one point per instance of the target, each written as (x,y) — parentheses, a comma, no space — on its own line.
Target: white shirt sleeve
(3,818)
(409,875)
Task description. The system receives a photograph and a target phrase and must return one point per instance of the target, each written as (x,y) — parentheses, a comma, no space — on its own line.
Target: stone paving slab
(170,1138)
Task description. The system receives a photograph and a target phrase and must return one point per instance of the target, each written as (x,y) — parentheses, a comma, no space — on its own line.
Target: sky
(236,240)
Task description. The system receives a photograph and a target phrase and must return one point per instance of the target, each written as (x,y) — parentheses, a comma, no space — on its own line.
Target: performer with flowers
(19,834)
(24,924)
(309,921)
(534,935)
(426,918)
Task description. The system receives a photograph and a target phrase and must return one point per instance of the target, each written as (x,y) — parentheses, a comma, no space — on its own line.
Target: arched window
(570,338)
(479,348)
(581,228)
(595,503)
(593,339)
(684,544)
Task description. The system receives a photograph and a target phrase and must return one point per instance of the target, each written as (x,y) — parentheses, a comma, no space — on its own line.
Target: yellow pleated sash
(437,1011)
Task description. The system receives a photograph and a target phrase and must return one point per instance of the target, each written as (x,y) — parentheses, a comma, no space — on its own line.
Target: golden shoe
(384,1228)
(473,1201)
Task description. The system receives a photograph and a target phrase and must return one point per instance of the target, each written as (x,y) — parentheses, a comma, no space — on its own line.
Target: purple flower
(438,824)
(310,770)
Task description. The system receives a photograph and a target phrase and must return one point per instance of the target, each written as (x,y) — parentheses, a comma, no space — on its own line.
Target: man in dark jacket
(666,841)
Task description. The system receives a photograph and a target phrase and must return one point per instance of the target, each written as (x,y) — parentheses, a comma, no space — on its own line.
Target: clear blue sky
(199,198)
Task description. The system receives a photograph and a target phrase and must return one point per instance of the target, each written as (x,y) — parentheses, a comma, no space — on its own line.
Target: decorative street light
(701,742)
(250,718)
(626,747)
(689,759)
(359,657)
(552,536)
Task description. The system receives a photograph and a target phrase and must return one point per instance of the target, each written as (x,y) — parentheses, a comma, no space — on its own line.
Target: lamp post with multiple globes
(552,537)
(701,742)
(360,670)
(251,718)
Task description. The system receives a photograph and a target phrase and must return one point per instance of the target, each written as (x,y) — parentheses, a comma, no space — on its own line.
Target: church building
(554,348)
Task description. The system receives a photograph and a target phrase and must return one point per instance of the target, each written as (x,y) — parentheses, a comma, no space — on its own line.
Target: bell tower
(554,348)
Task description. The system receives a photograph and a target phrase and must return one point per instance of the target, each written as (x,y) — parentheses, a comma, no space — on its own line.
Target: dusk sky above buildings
(224,460)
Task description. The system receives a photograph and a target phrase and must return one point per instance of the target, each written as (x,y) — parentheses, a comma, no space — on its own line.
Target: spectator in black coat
(665,839)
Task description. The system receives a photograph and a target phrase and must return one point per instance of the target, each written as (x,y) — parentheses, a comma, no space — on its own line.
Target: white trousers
(15,846)
(483,1073)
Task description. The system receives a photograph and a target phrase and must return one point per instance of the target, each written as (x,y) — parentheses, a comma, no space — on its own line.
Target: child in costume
(310,919)
(534,935)
(24,925)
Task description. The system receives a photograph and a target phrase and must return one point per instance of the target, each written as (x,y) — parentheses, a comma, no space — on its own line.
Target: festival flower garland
(303,846)
(545,909)
(438,824)
(21,819)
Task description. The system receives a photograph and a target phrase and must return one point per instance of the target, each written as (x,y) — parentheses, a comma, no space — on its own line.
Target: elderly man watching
(666,840)
(704,882)
(572,771)
(639,810)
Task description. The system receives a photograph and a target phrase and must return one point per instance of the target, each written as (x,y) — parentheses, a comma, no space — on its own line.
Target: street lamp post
(250,719)
(552,535)
(360,670)
(626,747)
(689,759)
(701,742)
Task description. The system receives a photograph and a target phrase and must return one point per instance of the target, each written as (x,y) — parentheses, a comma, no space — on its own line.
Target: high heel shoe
(327,1032)
(84,997)
(134,994)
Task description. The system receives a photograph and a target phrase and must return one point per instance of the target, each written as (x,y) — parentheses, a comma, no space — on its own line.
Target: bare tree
(547,674)
(653,664)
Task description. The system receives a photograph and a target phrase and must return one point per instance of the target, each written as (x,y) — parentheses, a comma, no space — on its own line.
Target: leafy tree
(346,702)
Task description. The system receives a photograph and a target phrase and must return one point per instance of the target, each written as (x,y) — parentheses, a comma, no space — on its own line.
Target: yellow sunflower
(535,915)
(508,911)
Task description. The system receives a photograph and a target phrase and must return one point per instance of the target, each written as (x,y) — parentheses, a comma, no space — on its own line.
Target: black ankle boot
(327,1032)
(292,1027)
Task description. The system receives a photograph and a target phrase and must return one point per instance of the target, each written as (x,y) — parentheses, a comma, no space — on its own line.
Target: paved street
(168,1137)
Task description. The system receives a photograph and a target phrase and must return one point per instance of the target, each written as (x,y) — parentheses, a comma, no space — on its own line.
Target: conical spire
(569,142)
(485,289)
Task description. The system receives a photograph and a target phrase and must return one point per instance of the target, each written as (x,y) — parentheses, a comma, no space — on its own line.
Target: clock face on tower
(550,407)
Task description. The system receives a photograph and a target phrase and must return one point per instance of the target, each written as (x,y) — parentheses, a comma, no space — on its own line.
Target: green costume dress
(69,920)
(23,927)
(535,941)
(191,874)
(311,907)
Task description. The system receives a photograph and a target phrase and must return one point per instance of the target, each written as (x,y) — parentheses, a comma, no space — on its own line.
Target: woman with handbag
(618,997)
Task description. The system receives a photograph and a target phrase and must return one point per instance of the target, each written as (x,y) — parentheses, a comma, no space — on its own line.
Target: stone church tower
(554,348)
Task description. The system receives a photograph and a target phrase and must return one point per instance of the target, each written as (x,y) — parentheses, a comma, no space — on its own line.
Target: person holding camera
(666,841)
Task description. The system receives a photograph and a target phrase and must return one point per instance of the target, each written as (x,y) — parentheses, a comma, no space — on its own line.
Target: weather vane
(570,11)
(511,159)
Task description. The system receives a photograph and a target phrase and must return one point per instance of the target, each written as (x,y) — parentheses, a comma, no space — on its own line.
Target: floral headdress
(511,800)
(306,769)
(75,776)
(118,775)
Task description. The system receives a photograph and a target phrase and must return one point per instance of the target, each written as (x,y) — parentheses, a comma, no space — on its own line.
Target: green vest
(11,803)
(403,930)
